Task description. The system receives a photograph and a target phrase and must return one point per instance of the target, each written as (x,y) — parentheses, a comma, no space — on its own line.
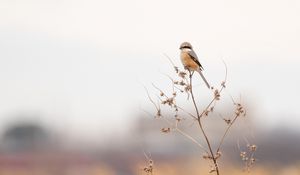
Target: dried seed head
(206,112)
(243,154)
(228,121)
(187,88)
(158,113)
(176,69)
(182,74)
(212,170)
(169,101)
(252,160)
(248,158)
(176,108)
(218,155)
(182,83)
(207,157)
(217,94)
(165,130)
(178,119)
(148,170)
(239,109)
(252,148)
(223,84)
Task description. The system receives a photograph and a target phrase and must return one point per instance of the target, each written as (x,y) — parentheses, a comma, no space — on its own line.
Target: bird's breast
(188,62)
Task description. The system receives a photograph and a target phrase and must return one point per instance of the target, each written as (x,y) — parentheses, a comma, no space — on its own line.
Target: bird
(190,60)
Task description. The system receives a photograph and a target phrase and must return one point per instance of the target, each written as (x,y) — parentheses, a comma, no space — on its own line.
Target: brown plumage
(190,60)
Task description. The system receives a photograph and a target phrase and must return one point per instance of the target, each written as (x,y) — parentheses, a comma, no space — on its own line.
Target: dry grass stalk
(150,167)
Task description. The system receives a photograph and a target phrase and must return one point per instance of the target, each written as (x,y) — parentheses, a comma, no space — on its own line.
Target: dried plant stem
(157,107)
(176,125)
(193,116)
(210,103)
(164,94)
(222,88)
(226,132)
(191,138)
(184,134)
(201,127)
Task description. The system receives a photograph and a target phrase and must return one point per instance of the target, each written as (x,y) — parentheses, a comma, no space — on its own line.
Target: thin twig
(185,134)
(170,60)
(214,99)
(193,116)
(191,138)
(226,132)
(157,108)
(202,129)
(164,94)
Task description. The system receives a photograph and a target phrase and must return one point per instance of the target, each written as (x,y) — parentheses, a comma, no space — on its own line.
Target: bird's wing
(195,58)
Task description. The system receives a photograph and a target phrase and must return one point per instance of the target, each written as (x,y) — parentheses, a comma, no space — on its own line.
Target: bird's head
(185,45)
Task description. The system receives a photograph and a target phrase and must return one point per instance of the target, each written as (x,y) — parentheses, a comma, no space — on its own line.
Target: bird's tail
(202,76)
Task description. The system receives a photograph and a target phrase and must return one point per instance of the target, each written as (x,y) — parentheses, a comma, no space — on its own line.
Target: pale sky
(80,64)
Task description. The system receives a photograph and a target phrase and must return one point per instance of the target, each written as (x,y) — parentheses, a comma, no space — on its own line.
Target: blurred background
(72,99)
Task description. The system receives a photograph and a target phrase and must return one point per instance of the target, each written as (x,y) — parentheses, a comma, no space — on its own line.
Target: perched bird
(190,60)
